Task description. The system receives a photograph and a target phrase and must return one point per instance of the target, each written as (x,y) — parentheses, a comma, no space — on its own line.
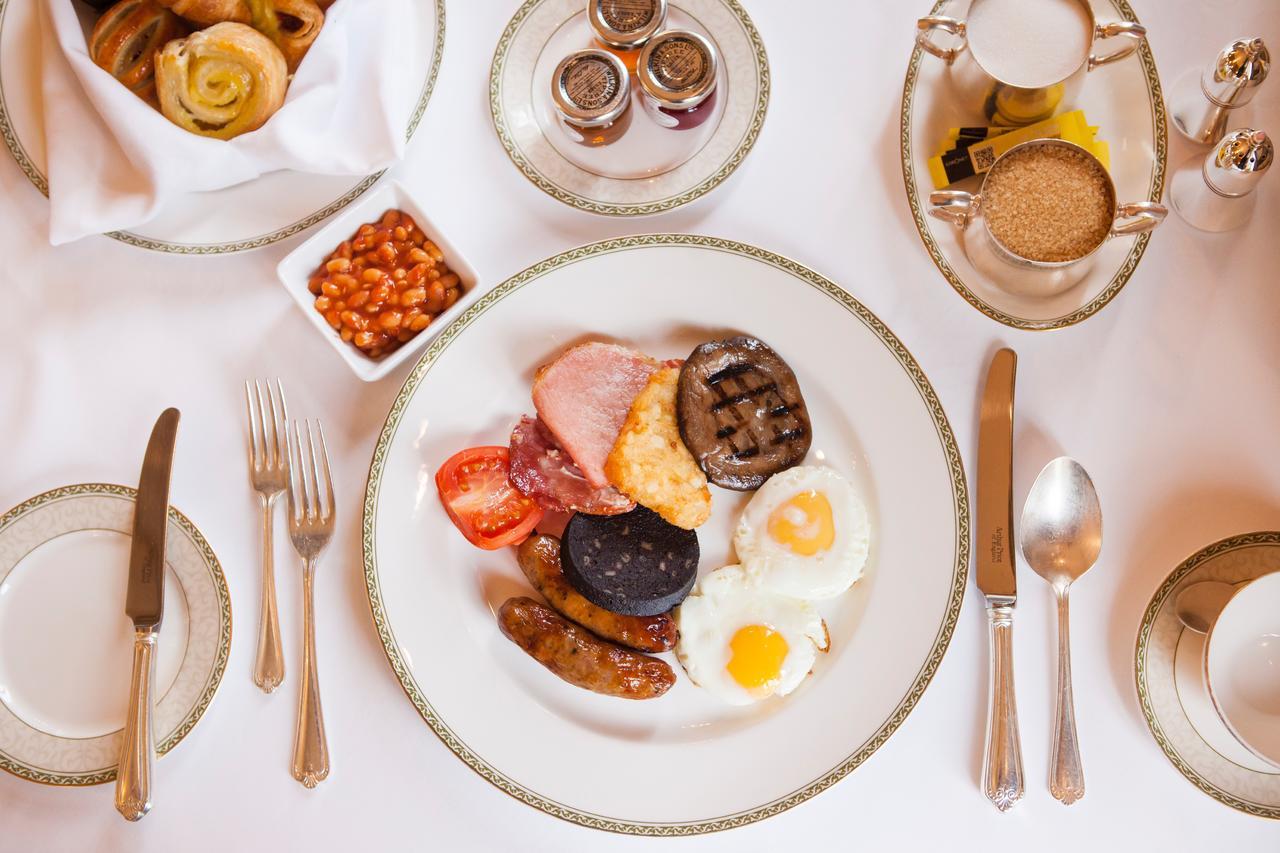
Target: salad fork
(311,523)
(269,474)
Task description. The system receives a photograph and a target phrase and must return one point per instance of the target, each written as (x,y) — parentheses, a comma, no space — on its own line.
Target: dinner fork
(311,522)
(269,473)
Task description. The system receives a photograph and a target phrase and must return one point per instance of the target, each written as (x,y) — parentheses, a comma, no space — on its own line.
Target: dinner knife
(1002,771)
(144,604)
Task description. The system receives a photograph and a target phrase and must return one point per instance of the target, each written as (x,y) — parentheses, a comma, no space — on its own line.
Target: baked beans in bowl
(379,281)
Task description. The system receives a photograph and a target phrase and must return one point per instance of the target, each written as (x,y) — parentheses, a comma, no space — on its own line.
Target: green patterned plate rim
(39,181)
(580,202)
(1199,558)
(960,501)
(210,561)
(1122,276)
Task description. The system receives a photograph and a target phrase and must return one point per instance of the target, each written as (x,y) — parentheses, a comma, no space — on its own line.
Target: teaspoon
(1061,538)
(1199,604)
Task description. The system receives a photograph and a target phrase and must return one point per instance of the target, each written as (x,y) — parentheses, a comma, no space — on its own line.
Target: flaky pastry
(292,24)
(222,81)
(125,40)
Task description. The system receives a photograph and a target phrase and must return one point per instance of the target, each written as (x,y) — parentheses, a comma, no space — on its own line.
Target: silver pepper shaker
(1216,192)
(1201,107)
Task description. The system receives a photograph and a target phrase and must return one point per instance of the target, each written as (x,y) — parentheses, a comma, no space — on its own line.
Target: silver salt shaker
(1201,107)
(1216,192)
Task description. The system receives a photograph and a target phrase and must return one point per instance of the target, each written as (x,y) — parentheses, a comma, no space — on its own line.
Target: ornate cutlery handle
(268,667)
(310,748)
(1002,772)
(137,745)
(1066,776)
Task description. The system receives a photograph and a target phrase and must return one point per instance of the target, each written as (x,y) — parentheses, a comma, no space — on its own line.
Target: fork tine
(328,477)
(313,510)
(297,499)
(276,460)
(283,424)
(266,449)
(254,445)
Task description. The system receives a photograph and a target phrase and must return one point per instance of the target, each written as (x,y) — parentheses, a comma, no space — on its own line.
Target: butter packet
(972,150)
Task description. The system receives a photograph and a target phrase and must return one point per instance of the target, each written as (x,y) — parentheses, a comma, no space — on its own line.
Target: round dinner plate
(66,646)
(1123,100)
(650,169)
(1169,664)
(686,762)
(257,213)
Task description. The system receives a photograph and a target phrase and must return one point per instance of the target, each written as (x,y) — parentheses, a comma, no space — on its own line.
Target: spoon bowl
(1061,523)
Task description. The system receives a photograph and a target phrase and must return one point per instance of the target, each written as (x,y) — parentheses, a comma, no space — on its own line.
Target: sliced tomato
(476,491)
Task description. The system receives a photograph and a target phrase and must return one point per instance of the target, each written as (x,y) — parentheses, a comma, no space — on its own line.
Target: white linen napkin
(114,160)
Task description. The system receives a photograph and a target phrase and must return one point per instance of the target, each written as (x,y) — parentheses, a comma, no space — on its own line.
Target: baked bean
(384,285)
(434,302)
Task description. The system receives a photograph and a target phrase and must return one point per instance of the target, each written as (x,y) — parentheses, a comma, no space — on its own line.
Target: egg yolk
(803,523)
(758,653)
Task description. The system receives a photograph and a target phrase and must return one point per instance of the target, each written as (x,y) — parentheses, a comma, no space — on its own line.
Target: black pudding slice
(635,564)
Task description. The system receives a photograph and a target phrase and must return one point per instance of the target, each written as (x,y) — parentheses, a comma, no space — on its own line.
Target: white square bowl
(296,269)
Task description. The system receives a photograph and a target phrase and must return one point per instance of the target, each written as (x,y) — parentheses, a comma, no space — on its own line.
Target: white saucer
(1169,673)
(1124,100)
(650,169)
(66,644)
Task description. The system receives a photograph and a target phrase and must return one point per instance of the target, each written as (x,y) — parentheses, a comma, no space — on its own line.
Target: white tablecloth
(1169,397)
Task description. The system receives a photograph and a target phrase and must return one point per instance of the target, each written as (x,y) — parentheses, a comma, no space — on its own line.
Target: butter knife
(1002,770)
(144,604)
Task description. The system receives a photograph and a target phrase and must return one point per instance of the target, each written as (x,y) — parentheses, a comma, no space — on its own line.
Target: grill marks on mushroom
(741,413)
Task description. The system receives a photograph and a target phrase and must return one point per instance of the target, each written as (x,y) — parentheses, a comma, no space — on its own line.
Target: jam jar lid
(626,24)
(591,87)
(678,69)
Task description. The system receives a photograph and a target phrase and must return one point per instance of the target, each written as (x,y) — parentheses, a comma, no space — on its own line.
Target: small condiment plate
(66,644)
(651,168)
(1124,100)
(1169,673)
(295,272)
(251,215)
(692,763)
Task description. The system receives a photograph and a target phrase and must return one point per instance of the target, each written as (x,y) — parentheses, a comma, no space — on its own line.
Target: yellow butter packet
(974,156)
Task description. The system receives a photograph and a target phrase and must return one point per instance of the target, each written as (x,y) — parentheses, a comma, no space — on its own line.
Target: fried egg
(804,534)
(744,643)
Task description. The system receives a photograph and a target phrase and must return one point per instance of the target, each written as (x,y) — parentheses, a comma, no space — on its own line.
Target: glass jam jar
(591,90)
(677,72)
(623,26)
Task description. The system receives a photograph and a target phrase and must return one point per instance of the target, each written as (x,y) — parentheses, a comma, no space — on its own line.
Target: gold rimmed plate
(691,761)
(650,169)
(1169,673)
(66,644)
(251,215)
(1123,99)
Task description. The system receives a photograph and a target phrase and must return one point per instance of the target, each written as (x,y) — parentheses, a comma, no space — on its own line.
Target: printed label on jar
(625,16)
(678,63)
(590,83)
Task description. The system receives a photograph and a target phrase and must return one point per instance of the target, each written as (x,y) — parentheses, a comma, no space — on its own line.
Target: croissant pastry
(221,82)
(292,24)
(125,40)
